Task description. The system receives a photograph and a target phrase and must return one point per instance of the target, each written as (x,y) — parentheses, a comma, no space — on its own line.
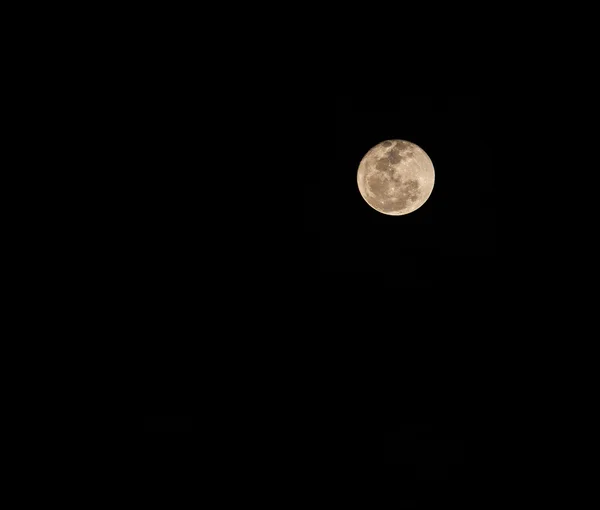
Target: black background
(446,244)
(457,223)
(430,451)
(408,289)
(170,434)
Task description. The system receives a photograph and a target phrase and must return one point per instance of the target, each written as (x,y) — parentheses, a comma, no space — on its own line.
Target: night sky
(456,223)
(429,452)
(168,433)
(407,287)
(444,246)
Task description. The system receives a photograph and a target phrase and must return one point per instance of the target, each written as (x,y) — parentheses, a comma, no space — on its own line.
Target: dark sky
(410,281)
(457,223)
(166,421)
(430,452)
(168,432)
(450,238)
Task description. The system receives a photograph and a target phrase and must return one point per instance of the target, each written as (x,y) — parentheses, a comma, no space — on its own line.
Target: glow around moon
(396,177)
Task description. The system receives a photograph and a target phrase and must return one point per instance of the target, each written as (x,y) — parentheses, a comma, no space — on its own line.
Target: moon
(396,177)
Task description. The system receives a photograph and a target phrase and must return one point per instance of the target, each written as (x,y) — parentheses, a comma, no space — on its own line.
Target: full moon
(396,177)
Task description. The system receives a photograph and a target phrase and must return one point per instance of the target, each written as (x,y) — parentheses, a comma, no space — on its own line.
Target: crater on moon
(396,177)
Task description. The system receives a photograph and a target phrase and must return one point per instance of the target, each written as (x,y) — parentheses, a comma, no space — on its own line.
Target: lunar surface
(396,177)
